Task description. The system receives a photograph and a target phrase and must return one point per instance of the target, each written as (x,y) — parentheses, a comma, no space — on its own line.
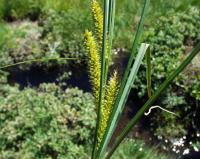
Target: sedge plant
(110,94)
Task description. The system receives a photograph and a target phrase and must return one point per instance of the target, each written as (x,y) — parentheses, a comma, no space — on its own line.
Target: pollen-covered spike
(93,64)
(111,93)
(98,20)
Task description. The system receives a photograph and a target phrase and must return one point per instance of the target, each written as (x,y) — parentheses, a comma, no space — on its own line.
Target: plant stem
(36,60)
(109,130)
(102,80)
(111,21)
(148,72)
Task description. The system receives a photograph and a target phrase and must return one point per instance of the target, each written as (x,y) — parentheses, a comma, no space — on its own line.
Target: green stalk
(148,104)
(102,80)
(129,83)
(36,60)
(148,72)
(111,21)
(112,123)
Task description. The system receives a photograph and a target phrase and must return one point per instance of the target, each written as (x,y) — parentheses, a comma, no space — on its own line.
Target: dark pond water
(36,76)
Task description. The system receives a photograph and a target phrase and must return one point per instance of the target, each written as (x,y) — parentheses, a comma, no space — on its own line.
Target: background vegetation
(54,118)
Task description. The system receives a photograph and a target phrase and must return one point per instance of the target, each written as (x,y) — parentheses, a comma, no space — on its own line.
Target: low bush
(20,42)
(45,123)
(63,33)
(171,39)
(23,42)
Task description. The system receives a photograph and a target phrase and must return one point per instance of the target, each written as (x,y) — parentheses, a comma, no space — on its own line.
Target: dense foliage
(27,41)
(20,43)
(45,123)
(62,39)
(172,38)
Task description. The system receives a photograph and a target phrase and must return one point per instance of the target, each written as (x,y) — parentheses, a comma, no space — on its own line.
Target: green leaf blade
(124,96)
(148,72)
(37,60)
(105,139)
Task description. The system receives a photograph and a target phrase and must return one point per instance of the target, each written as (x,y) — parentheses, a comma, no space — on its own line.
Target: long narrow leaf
(36,60)
(111,21)
(109,130)
(148,104)
(127,88)
(148,72)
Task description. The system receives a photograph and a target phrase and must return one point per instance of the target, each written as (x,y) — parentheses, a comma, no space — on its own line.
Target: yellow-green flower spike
(110,96)
(93,63)
(98,20)
(97,14)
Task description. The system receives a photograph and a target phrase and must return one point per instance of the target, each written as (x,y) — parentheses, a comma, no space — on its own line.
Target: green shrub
(20,42)
(3,31)
(136,149)
(23,42)
(5,44)
(26,45)
(3,77)
(63,33)
(45,123)
(171,39)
